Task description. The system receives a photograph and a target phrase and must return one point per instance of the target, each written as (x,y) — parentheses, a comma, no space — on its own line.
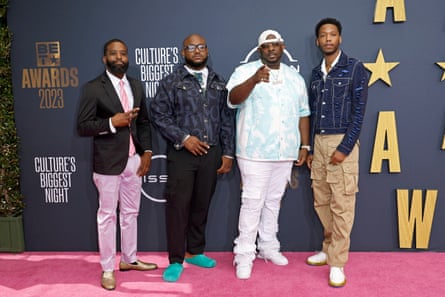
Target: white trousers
(124,189)
(263,186)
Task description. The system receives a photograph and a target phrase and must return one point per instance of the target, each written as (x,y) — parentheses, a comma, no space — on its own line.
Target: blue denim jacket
(338,104)
(181,107)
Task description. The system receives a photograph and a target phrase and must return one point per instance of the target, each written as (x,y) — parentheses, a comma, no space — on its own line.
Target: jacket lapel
(134,90)
(111,93)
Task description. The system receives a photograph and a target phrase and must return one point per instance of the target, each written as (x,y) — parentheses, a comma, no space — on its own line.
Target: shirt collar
(323,64)
(204,71)
(115,80)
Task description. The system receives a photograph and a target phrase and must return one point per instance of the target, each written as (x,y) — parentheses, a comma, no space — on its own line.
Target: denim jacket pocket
(186,89)
(340,87)
(217,85)
(315,88)
(184,85)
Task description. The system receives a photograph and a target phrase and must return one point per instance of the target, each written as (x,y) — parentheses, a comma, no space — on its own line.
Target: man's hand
(262,74)
(309,161)
(195,146)
(337,158)
(302,156)
(225,166)
(145,164)
(123,119)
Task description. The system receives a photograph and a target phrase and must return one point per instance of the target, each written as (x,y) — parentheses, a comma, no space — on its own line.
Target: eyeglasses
(193,47)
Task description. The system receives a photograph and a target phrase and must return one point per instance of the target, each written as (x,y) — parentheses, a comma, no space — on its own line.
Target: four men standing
(194,111)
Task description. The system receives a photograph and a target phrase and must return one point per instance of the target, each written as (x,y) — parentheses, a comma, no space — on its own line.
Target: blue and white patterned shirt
(268,120)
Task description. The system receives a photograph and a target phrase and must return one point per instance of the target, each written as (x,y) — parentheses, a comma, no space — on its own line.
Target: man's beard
(117,69)
(197,65)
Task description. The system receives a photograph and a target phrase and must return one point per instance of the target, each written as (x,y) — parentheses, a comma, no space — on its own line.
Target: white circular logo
(153,183)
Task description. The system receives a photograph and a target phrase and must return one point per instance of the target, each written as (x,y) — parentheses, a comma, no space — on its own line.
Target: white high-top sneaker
(243,270)
(275,257)
(337,277)
(317,259)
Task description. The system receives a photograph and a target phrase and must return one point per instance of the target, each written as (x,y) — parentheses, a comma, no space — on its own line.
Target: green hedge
(11,200)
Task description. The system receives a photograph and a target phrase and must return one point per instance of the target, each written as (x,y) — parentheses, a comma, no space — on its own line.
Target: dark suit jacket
(98,103)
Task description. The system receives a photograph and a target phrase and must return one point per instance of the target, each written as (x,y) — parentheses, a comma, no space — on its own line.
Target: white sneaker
(243,270)
(275,257)
(317,259)
(337,277)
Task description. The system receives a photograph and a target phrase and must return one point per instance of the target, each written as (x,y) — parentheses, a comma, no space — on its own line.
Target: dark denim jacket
(338,104)
(182,108)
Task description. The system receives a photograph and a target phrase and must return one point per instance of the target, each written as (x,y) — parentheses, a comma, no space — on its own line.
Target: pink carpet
(65,274)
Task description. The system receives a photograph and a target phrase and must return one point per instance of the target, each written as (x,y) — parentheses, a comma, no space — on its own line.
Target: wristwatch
(179,146)
(306,147)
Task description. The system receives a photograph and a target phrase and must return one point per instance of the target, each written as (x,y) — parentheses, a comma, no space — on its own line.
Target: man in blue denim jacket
(190,111)
(337,96)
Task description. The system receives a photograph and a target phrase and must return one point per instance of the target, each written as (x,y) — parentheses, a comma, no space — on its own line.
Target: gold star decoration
(380,69)
(442,65)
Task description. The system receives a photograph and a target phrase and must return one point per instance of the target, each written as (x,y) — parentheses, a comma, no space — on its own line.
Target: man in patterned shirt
(272,121)
(191,112)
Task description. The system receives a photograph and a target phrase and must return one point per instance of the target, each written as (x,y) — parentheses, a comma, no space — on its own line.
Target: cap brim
(271,41)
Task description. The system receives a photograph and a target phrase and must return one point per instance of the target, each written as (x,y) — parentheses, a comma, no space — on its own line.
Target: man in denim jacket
(190,111)
(338,94)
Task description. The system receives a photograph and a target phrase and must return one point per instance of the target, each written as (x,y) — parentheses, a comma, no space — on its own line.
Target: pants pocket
(344,177)
(317,172)
(350,177)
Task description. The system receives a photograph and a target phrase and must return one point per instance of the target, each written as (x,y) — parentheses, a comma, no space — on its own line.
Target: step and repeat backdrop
(57,47)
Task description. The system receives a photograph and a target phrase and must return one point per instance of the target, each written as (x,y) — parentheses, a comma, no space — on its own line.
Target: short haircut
(110,42)
(330,21)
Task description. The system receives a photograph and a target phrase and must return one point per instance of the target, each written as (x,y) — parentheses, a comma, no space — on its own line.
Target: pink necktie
(125,104)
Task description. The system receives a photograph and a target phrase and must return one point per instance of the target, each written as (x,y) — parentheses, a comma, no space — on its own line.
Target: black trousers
(189,190)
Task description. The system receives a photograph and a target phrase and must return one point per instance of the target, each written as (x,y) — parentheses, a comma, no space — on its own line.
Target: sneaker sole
(243,277)
(337,285)
(316,263)
(266,259)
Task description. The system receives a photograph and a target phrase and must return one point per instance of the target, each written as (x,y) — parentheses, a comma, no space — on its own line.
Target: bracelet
(306,147)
